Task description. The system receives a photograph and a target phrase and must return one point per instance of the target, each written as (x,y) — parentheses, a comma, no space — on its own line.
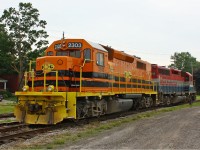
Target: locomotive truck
(78,79)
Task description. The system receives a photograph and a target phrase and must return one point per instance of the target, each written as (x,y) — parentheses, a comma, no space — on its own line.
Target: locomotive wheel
(81,111)
(190,99)
(151,101)
(136,104)
(168,101)
(97,111)
(194,97)
(142,103)
(147,103)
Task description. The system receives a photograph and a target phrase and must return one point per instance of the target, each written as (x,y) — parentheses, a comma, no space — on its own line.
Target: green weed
(6,108)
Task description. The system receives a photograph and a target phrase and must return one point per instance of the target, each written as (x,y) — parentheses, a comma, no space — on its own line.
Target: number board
(57,46)
(47,67)
(74,45)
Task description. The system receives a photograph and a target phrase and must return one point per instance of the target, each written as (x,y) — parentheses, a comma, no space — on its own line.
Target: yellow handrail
(31,71)
(30,63)
(44,81)
(81,70)
(25,80)
(56,81)
(32,76)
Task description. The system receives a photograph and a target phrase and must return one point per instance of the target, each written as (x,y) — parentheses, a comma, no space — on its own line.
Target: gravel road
(172,130)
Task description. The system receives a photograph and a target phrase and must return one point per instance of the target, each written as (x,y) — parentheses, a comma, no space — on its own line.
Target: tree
(197,80)
(6,51)
(26,31)
(183,61)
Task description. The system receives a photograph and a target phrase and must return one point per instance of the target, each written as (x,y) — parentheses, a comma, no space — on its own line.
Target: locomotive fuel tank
(179,99)
(118,105)
(131,96)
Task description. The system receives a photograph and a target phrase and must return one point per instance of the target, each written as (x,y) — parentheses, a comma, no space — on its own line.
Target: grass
(6,108)
(8,105)
(6,121)
(12,98)
(95,128)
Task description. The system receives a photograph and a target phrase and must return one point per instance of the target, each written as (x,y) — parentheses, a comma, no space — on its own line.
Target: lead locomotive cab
(68,68)
(90,57)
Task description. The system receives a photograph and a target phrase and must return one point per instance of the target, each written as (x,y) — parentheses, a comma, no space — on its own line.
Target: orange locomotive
(77,79)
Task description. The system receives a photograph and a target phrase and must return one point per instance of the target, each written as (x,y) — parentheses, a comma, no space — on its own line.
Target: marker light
(25,88)
(50,88)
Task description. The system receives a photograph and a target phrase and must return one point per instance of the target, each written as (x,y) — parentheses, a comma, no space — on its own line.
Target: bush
(6,94)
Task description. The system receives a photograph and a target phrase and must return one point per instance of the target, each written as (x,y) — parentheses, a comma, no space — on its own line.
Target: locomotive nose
(50,63)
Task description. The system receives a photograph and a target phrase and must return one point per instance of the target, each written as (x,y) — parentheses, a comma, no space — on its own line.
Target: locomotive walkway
(172,130)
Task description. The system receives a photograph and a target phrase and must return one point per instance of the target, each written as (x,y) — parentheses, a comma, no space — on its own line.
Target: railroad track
(7,119)
(15,131)
(19,131)
(6,115)
(11,128)
(7,129)
(9,123)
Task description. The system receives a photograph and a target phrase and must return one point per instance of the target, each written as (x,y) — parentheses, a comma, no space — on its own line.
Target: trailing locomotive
(174,85)
(78,79)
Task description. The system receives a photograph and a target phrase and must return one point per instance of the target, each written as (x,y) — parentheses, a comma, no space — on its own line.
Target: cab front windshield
(71,53)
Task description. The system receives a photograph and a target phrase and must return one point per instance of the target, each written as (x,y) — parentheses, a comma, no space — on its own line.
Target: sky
(151,29)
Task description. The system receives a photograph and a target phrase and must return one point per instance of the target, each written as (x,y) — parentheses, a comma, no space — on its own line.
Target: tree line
(23,38)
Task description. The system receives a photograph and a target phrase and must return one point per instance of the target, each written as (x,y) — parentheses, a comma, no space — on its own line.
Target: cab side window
(87,54)
(75,53)
(50,53)
(62,53)
(100,59)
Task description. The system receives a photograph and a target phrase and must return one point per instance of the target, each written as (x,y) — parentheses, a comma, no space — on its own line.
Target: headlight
(50,88)
(25,88)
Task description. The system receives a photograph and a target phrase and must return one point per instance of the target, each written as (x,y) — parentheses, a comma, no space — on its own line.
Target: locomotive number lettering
(47,67)
(57,46)
(74,45)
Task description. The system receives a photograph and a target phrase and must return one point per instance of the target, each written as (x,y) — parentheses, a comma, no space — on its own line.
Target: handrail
(25,79)
(56,80)
(30,63)
(45,81)
(32,76)
(81,70)
(31,71)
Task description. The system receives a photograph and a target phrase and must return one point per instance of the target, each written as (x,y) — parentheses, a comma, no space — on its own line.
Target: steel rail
(7,115)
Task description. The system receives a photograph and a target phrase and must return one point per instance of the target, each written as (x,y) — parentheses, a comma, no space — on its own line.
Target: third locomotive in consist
(79,79)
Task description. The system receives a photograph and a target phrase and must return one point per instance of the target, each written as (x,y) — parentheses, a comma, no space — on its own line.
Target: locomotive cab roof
(63,44)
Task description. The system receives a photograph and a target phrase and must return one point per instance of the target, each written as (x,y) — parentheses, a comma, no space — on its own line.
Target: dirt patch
(4,102)
(171,130)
